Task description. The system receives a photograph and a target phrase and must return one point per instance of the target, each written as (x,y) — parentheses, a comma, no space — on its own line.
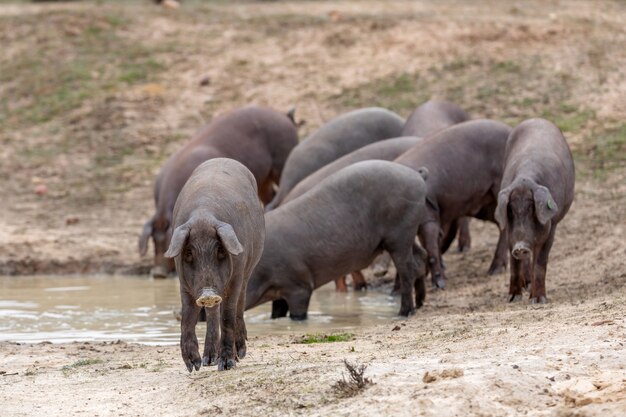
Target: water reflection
(140,309)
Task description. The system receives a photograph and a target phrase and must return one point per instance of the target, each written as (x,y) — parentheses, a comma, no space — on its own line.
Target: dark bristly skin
(216,243)
(340,136)
(537,192)
(465,170)
(428,119)
(386,150)
(339,227)
(258,137)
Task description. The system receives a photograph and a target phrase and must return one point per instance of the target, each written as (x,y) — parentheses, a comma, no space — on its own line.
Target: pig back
(464,164)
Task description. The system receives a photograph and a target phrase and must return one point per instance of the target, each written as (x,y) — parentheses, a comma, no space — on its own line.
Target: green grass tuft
(322,338)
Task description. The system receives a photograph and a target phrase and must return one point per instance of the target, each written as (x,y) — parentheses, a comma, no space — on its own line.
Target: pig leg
(266,191)
(340,284)
(227,357)
(298,301)
(407,269)
(498,264)
(188,340)
(538,284)
(429,236)
(279,308)
(241,333)
(212,339)
(358,281)
(449,236)
(465,240)
(520,274)
(396,285)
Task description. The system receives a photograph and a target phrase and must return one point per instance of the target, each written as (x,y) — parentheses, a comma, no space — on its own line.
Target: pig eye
(220,252)
(188,256)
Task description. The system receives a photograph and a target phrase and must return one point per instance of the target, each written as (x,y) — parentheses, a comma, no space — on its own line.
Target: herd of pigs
(364,183)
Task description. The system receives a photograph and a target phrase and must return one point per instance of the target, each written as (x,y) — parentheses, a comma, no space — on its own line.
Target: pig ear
(229,238)
(178,240)
(423,171)
(145,234)
(292,115)
(503,203)
(545,206)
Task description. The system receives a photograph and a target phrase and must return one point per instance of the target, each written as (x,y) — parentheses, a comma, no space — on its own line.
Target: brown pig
(465,171)
(258,137)
(219,232)
(537,191)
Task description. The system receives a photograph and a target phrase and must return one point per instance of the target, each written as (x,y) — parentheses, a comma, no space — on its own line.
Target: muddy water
(139,309)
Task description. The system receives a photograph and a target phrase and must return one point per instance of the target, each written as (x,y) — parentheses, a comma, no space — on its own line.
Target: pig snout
(521,251)
(208,298)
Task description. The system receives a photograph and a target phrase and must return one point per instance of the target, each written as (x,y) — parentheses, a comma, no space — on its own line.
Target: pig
(336,138)
(217,240)
(339,227)
(465,170)
(537,191)
(258,137)
(428,119)
(387,150)
(433,116)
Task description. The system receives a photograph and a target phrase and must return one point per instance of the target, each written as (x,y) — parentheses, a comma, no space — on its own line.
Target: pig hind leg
(358,281)
(340,284)
(464,237)
(279,308)
(402,256)
(538,284)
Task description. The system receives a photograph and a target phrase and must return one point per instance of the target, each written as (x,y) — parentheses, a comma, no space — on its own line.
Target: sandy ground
(483,356)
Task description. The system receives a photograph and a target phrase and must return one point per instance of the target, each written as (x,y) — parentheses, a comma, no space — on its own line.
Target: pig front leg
(500,257)
(538,284)
(429,237)
(241,333)
(340,284)
(520,275)
(227,358)
(298,301)
(464,238)
(212,339)
(358,281)
(188,340)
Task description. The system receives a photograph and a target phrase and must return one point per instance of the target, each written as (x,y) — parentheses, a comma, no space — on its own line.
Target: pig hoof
(241,352)
(209,361)
(225,364)
(514,297)
(407,312)
(159,272)
(540,300)
(496,269)
(360,287)
(191,364)
(298,317)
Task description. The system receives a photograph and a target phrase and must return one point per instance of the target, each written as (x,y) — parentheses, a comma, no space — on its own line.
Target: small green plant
(67,369)
(322,338)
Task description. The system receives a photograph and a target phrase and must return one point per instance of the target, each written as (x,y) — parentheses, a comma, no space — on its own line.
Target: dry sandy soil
(96,96)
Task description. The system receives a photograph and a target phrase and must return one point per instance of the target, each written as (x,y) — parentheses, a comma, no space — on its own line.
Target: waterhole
(143,310)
